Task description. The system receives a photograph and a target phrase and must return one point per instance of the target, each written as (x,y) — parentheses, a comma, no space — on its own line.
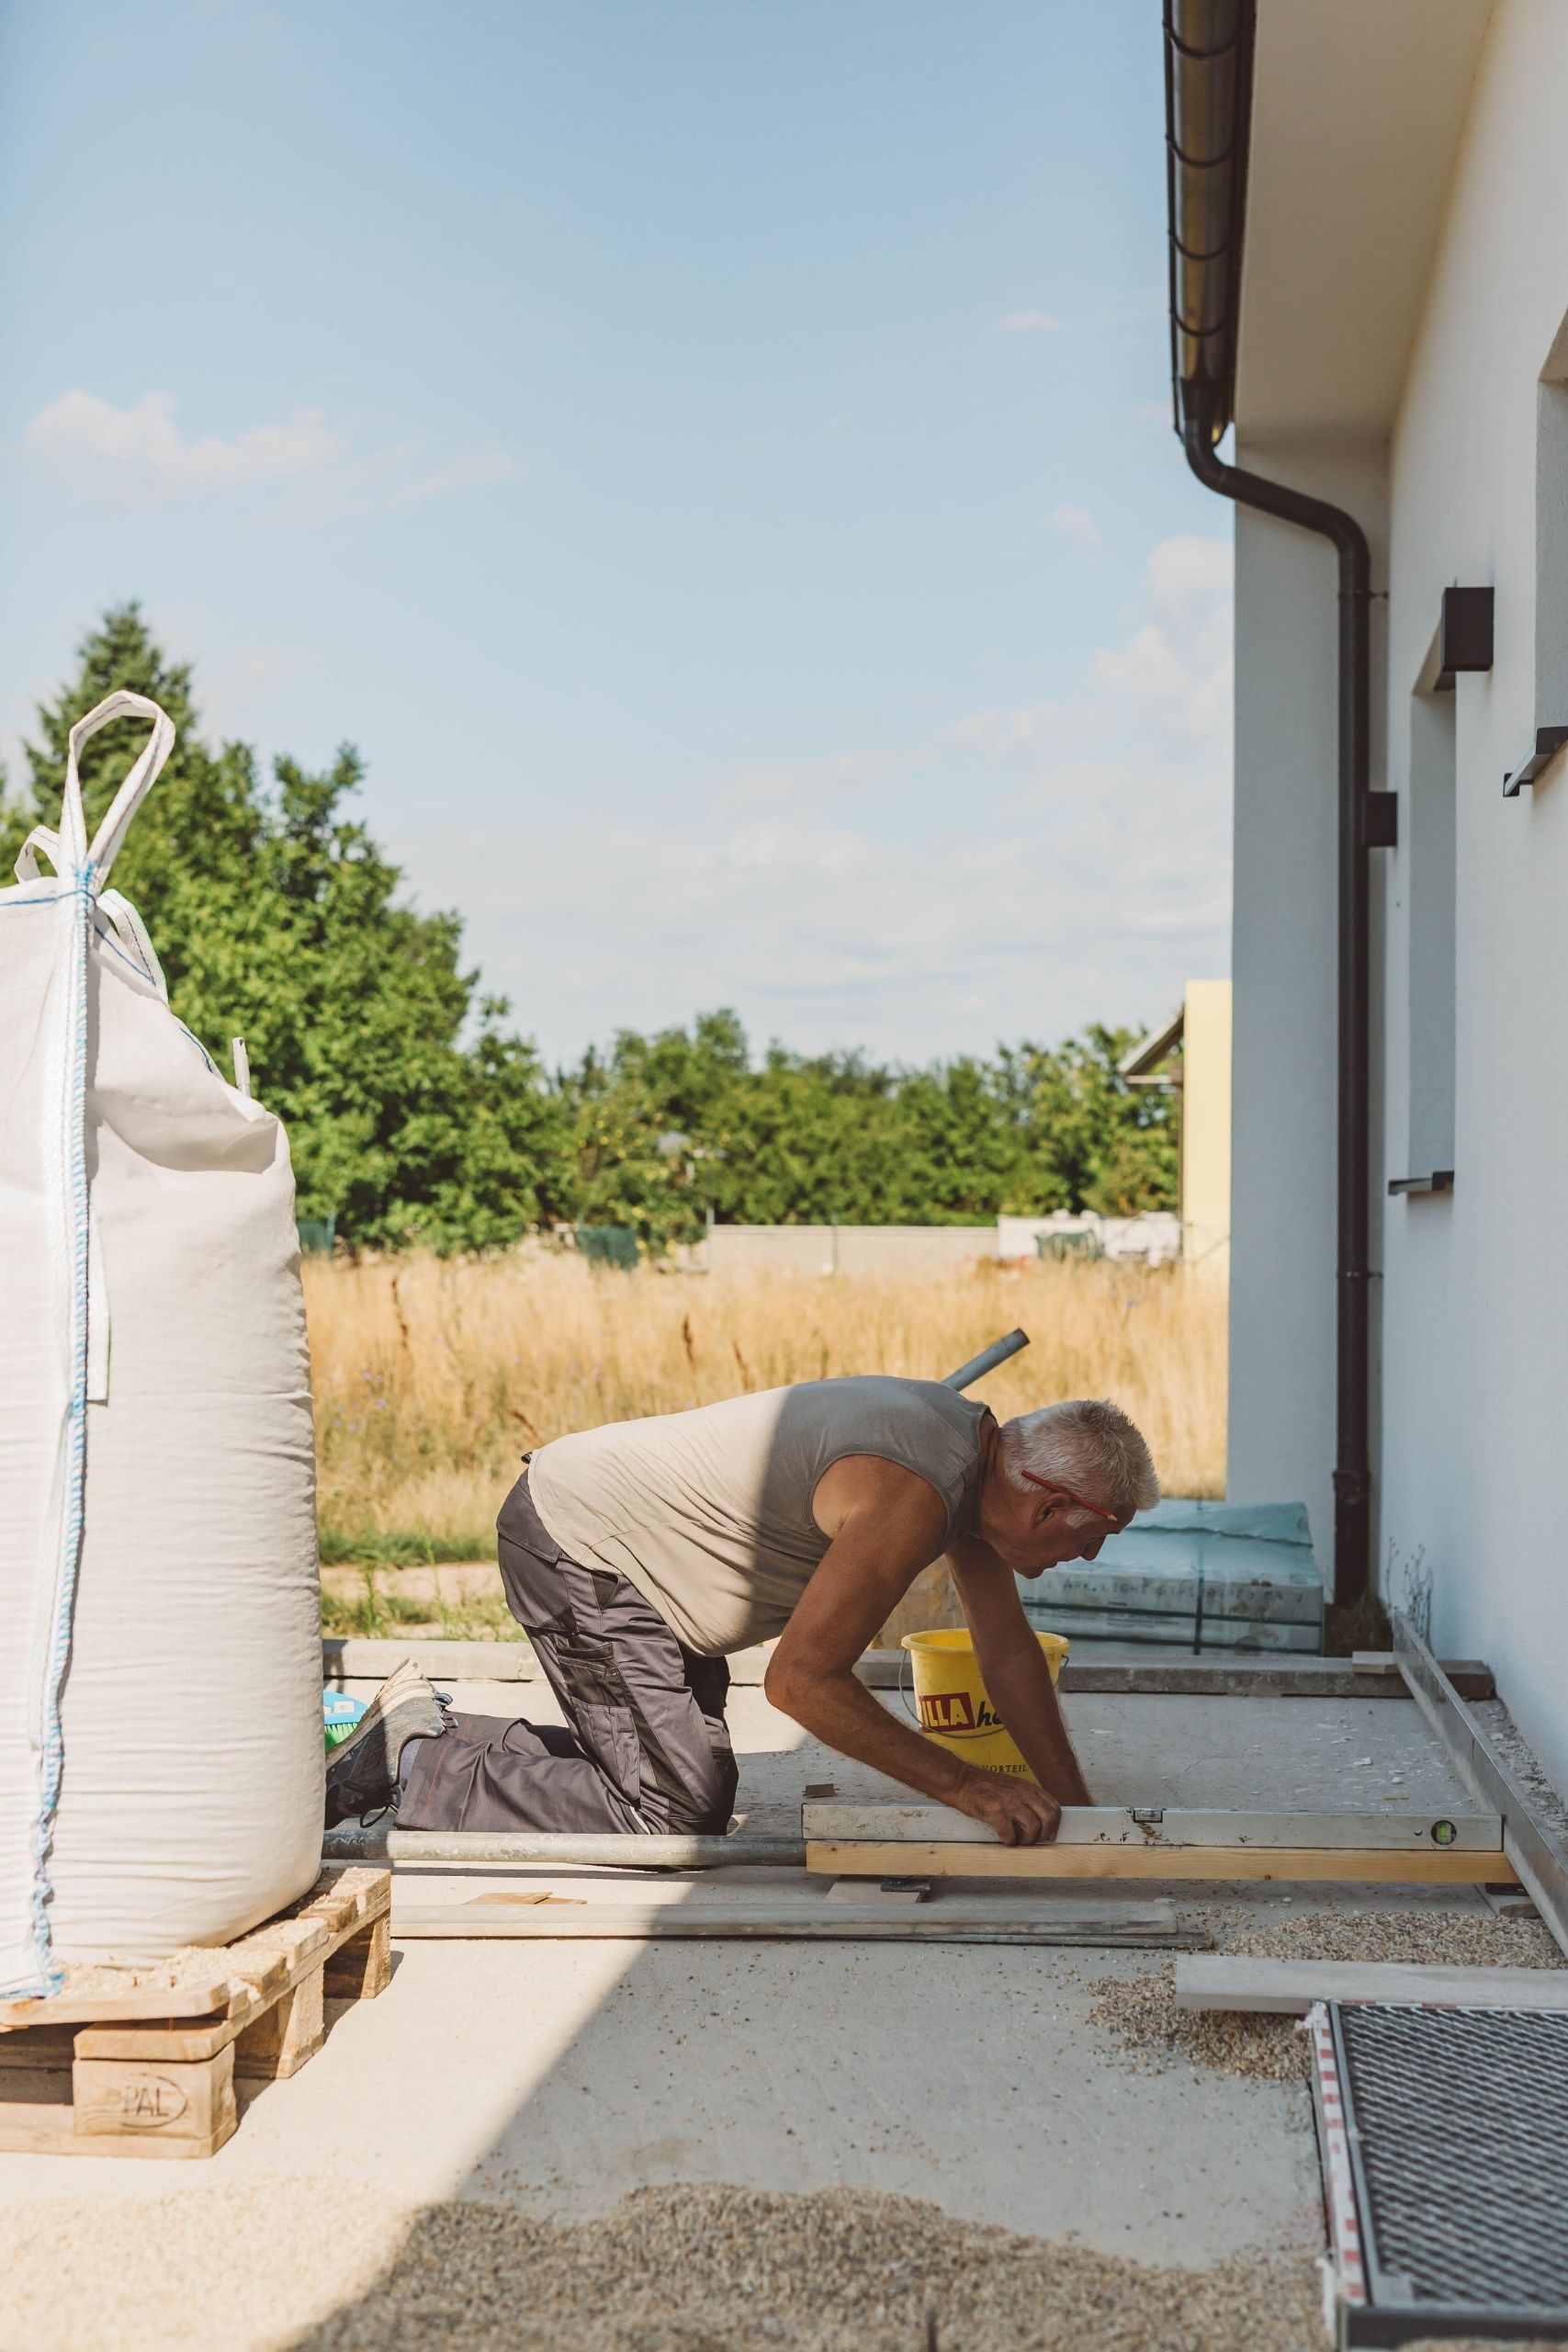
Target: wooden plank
(362,1967)
(199,1998)
(1280,1675)
(1471,1677)
(49,2046)
(289,2031)
(509,1894)
(1137,1924)
(269,1965)
(1173,1827)
(1288,1987)
(170,2041)
(44,2129)
(1537,1855)
(356,1660)
(1428,1866)
(115,2100)
(1507,1902)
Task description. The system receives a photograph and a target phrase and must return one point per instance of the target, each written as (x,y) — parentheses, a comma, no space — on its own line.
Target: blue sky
(712,458)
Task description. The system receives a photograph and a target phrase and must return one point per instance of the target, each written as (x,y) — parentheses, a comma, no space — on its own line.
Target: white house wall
(1282,1313)
(1476,1284)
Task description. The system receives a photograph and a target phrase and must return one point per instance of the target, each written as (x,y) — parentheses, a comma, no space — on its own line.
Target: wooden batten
(1414,1866)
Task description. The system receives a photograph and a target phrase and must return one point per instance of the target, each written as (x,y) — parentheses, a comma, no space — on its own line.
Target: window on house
(1552,543)
(1551,670)
(1429,834)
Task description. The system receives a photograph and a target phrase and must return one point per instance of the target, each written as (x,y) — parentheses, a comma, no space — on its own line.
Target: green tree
(1090,1140)
(276,917)
(834,1136)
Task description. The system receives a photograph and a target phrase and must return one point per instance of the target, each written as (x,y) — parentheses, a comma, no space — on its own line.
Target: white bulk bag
(160,1749)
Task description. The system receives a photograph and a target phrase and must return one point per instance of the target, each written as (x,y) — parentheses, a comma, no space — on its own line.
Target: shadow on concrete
(972,2077)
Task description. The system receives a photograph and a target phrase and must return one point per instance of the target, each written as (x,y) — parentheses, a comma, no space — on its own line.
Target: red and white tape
(1344,2229)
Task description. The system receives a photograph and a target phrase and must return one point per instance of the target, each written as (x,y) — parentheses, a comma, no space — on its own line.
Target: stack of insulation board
(1191,1576)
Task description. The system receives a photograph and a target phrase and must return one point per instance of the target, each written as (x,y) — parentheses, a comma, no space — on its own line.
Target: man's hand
(1017,1677)
(1019,1813)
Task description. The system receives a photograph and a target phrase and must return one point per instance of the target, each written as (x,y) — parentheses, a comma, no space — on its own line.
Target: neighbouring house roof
(1142,1066)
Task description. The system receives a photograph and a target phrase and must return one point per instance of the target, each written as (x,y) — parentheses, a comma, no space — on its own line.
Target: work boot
(362,1771)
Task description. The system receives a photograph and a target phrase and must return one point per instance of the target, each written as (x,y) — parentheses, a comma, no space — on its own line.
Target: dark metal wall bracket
(1440,1181)
(1464,635)
(1548,742)
(1382,820)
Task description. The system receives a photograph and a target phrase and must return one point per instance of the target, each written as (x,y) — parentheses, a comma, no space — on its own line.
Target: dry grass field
(432,1375)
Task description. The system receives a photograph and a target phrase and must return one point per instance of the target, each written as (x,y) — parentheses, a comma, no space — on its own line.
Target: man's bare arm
(1013,1667)
(885,1524)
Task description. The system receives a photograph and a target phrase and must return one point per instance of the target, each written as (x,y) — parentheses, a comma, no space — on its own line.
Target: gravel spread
(694,2269)
(1141,2014)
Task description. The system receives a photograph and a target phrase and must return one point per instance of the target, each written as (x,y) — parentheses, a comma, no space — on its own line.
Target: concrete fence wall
(924,1248)
(845,1249)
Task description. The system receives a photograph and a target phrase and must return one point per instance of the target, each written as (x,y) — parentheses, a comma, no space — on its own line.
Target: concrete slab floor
(560,2077)
(557,2077)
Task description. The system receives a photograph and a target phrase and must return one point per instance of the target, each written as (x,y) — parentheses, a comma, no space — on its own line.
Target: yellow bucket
(950,1701)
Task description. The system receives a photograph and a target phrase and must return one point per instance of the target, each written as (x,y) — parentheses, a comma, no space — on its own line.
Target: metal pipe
(986,1361)
(1208,105)
(352,1842)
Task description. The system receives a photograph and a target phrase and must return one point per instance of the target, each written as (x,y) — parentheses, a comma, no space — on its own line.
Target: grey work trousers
(646,1747)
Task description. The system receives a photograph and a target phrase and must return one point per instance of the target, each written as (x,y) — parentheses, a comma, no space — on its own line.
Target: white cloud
(1175,672)
(1006,730)
(137,457)
(1018,874)
(396,480)
(1077,523)
(1026,322)
(794,783)
(141,453)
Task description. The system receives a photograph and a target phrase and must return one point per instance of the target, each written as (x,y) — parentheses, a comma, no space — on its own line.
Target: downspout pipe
(1352,1465)
(1208,107)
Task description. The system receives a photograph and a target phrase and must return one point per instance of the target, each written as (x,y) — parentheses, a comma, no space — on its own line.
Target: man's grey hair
(1092,1446)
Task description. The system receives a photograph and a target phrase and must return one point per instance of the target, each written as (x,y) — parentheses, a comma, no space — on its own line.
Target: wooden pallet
(150,2071)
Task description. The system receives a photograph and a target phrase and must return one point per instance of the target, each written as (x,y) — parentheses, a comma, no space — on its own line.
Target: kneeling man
(637,1556)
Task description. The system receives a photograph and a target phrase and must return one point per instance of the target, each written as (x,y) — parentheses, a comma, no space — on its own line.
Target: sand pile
(258,2268)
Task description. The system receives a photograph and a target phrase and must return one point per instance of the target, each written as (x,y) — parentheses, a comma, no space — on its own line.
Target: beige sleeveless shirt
(708,1514)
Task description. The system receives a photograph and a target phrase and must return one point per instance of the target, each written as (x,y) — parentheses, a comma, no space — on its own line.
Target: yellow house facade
(1190,1058)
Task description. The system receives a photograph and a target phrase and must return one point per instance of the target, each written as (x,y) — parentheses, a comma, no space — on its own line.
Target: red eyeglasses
(1054,1487)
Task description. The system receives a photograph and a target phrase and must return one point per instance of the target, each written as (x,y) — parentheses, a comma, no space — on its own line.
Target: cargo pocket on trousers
(601,1714)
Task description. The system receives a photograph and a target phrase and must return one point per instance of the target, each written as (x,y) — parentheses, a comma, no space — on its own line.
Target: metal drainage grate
(1456,2123)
